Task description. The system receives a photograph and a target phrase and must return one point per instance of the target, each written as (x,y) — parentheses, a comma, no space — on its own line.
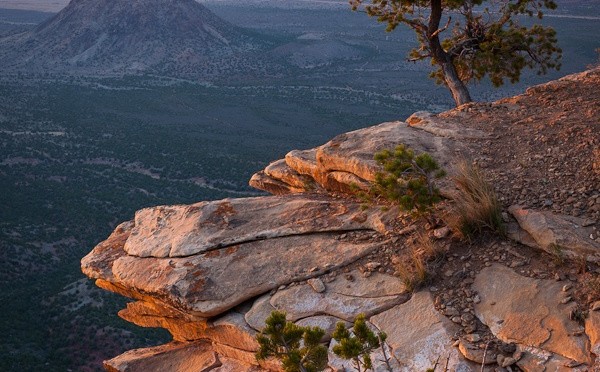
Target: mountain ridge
(172,36)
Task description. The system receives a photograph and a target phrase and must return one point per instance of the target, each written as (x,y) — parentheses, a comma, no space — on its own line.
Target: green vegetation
(476,206)
(482,40)
(298,348)
(407,178)
(358,345)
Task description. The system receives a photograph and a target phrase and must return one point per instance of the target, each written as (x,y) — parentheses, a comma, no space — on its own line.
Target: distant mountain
(120,36)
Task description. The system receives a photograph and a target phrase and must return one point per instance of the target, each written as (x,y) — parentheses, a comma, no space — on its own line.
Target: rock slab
(529,312)
(185,230)
(556,234)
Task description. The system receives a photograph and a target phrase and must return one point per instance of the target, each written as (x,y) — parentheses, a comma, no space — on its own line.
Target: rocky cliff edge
(211,272)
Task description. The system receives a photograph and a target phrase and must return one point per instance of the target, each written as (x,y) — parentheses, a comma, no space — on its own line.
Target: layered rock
(182,231)
(281,240)
(346,162)
(189,267)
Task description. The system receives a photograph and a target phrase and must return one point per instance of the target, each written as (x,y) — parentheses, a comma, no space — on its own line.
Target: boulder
(419,335)
(441,127)
(246,357)
(529,312)
(346,163)
(259,312)
(475,354)
(343,298)
(185,230)
(232,330)
(556,234)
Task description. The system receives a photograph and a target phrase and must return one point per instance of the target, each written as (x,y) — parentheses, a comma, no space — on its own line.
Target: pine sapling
(298,348)
(358,346)
(407,178)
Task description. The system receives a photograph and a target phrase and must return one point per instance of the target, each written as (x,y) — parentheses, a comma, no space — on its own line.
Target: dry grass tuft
(476,207)
(418,268)
(427,248)
(413,272)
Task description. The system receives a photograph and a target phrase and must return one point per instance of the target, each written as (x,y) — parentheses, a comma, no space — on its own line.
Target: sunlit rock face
(122,36)
(346,164)
(193,269)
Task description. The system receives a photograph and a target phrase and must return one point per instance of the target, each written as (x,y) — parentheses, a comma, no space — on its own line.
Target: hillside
(526,301)
(102,37)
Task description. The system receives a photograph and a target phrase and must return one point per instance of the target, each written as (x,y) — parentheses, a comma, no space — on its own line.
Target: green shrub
(298,348)
(359,346)
(407,178)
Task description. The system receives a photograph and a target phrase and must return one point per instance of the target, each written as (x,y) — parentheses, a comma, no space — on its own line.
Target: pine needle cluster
(407,178)
(298,348)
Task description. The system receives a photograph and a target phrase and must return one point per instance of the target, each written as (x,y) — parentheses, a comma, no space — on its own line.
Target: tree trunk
(457,87)
(440,57)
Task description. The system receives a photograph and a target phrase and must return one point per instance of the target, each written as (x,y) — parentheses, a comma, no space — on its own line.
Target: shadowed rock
(262,181)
